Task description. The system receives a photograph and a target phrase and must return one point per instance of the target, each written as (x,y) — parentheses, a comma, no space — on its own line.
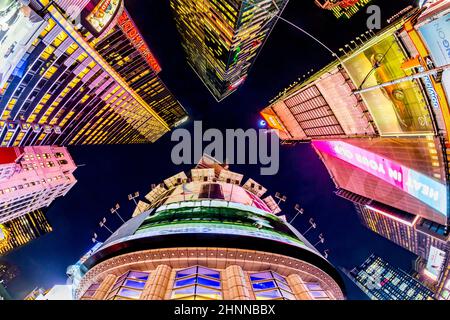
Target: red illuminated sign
(128,26)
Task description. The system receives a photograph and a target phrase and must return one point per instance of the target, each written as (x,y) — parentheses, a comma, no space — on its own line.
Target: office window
(197,283)
(316,291)
(269,285)
(91,291)
(129,286)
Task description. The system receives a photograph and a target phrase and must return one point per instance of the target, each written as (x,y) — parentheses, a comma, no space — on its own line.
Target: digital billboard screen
(416,184)
(435,263)
(436,35)
(98,15)
(399,109)
(19,27)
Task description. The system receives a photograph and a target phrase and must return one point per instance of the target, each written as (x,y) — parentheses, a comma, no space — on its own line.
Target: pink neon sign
(414,183)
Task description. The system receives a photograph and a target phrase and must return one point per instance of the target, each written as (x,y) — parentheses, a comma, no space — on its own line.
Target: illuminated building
(36,294)
(206,236)
(8,272)
(343,8)
(417,235)
(4,294)
(382,281)
(57,89)
(223,38)
(41,174)
(22,230)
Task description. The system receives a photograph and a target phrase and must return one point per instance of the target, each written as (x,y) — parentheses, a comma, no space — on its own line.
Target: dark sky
(112,172)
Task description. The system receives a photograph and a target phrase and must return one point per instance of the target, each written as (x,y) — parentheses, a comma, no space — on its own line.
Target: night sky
(110,173)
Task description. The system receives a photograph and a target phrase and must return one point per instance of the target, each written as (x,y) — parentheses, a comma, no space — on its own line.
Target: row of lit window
(200,283)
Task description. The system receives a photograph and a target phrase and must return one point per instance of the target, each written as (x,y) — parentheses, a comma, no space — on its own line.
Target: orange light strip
(409,224)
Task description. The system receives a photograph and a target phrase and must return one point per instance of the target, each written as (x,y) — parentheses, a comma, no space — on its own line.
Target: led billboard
(99,14)
(436,35)
(435,263)
(399,109)
(418,185)
(19,27)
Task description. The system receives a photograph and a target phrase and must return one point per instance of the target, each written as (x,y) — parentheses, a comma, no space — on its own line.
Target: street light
(313,226)
(94,238)
(280,198)
(300,211)
(115,211)
(358,38)
(133,197)
(102,224)
(321,239)
(326,253)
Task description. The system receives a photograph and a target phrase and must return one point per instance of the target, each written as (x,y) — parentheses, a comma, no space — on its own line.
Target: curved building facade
(207,237)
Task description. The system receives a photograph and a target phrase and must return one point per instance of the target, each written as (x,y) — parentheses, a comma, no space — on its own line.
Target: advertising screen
(100,15)
(435,263)
(399,109)
(436,35)
(418,185)
(19,27)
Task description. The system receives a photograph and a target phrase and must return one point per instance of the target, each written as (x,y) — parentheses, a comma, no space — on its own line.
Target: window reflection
(197,283)
(269,285)
(129,286)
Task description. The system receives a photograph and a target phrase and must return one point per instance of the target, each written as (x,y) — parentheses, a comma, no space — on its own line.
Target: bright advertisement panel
(101,16)
(435,263)
(399,109)
(272,120)
(19,27)
(418,185)
(215,191)
(436,35)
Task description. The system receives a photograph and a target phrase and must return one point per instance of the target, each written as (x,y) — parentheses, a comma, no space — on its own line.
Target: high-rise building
(384,144)
(382,281)
(223,38)
(4,294)
(8,272)
(343,8)
(22,230)
(35,177)
(57,88)
(205,235)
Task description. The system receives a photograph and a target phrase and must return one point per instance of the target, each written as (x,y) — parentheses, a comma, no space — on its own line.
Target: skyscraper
(384,144)
(56,88)
(343,8)
(32,178)
(382,281)
(205,235)
(8,272)
(223,38)
(22,230)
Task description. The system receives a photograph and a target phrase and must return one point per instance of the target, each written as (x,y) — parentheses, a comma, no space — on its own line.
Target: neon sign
(418,185)
(138,42)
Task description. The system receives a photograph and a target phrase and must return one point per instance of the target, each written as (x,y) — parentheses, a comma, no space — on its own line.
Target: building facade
(222,39)
(206,236)
(22,230)
(343,8)
(56,88)
(41,174)
(382,281)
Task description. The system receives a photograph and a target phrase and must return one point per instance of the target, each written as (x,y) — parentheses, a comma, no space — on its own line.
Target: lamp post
(94,238)
(133,197)
(115,211)
(326,253)
(321,239)
(280,198)
(313,226)
(300,211)
(102,224)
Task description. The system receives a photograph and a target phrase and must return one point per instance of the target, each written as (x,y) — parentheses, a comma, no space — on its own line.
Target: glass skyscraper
(223,38)
(382,281)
